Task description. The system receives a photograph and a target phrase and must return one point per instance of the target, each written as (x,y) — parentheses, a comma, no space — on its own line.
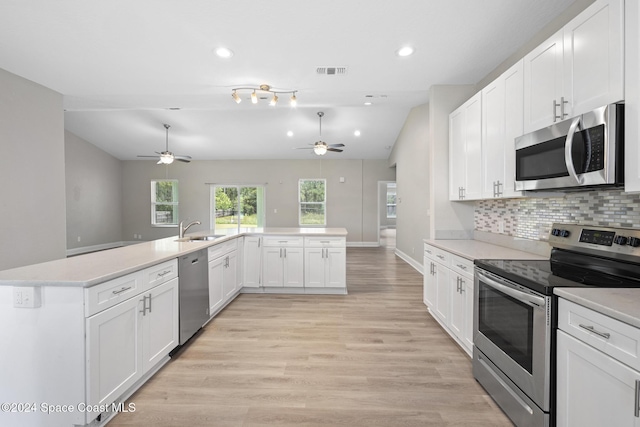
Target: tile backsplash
(531,218)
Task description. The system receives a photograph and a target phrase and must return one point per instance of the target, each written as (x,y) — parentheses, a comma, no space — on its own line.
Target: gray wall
(352,204)
(93,194)
(410,155)
(32,211)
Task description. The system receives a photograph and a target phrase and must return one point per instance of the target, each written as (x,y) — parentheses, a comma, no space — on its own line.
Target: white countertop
(98,267)
(476,249)
(622,304)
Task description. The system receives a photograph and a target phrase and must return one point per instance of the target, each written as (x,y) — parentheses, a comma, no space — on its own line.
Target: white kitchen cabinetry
(130,338)
(502,116)
(598,369)
(632,97)
(223,275)
(578,69)
(465,150)
(283,261)
(252,262)
(448,293)
(325,262)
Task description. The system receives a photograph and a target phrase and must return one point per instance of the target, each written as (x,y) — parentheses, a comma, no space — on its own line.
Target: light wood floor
(372,358)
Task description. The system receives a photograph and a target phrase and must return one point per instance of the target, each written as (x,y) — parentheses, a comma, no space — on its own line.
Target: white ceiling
(121,64)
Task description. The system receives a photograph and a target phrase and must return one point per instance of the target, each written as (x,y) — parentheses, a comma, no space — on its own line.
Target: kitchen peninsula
(83,333)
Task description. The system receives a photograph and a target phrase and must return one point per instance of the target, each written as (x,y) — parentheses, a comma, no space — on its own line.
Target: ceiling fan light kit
(320,147)
(166,157)
(293,100)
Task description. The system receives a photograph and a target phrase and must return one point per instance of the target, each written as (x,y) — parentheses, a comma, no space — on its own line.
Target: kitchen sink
(200,238)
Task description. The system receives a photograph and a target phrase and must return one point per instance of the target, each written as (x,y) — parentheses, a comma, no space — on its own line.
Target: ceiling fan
(321,147)
(167,157)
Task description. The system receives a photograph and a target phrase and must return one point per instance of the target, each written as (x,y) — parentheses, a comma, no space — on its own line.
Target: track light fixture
(264,88)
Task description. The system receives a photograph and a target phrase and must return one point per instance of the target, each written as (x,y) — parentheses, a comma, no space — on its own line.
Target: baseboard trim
(412,262)
(363,244)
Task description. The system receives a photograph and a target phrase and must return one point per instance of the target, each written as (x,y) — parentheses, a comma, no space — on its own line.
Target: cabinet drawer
(283,241)
(223,248)
(430,252)
(443,257)
(461,265)
(617,339)
(325,242)
(108,294)
(160,273)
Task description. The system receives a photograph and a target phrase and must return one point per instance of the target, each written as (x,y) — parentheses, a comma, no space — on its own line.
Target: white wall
(93,194)
(32,211)
(410,155)
(352,204)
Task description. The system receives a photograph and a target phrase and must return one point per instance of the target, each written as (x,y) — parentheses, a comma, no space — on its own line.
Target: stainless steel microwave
(579,153)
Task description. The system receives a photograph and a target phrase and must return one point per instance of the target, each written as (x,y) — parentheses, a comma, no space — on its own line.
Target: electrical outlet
(27,296)
(275,211)
(78,238)
(501,226)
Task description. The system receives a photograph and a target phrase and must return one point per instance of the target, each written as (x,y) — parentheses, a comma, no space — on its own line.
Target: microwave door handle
(568,146)
(531,300)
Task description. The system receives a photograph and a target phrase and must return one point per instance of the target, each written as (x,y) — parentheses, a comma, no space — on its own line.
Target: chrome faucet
(184,229)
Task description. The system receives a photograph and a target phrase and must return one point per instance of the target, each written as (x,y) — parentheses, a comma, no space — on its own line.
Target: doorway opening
(387,214)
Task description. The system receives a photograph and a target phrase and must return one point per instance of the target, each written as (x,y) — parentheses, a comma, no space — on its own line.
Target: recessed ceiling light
(290,133)
(224,52)
(405,51)
(356,133)
(368,103)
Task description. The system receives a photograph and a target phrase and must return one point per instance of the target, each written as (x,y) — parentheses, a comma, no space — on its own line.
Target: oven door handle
(568,146)
(526,298)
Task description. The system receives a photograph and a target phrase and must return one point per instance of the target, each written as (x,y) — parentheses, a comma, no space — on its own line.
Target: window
(164,203)
(237,206)
(391,200)
(312,200)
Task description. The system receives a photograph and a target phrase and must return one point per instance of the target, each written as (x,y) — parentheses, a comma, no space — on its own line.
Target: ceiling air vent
(331,71)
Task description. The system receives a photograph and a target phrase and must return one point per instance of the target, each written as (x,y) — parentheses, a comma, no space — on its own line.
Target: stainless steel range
(516,318)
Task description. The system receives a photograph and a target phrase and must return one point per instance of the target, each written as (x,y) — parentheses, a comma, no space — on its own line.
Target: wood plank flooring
(374,357)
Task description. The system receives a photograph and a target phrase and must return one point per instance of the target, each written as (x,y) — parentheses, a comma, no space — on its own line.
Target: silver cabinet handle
(636,410)
(605,335)
(461,285)
(149,303)
(464,267)
(164,273)
(122,290)
(457,285)
(259,239)
(144,305)
(555,108)
(285,252)
(440,256)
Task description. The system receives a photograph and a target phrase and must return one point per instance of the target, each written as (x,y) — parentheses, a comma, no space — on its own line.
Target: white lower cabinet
(448,293)
(598,369)
(325,262)
(127,340)
(224,281)
(252,261)
(283,267)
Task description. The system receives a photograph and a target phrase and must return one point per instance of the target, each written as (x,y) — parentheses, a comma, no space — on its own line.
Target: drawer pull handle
(590,328)
(464,267)
(636,411)
(440,256)
(164,273)
(121,290)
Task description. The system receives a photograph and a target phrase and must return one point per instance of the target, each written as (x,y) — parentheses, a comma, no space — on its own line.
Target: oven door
(572,153)
(512,328)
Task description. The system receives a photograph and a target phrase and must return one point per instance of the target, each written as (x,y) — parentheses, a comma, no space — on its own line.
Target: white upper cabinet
(578,69)
(632,97)
(465,151)
(502,118)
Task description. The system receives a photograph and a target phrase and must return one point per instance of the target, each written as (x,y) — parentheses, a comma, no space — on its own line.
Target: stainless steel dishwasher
(194,293)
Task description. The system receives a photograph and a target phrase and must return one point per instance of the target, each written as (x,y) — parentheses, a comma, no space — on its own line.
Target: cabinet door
(593,389)
(443,297)
(160,323)
(456,154)
(594,57)
(272,269)
(429,291)
(632,97)
(467,332)
(543,68)
(230,275)
(252,262)
(293,267)
(335,264)
(114,351)
(216,293)
(473,148)
(513,118)
(314,267)
(493,142)
(456,315)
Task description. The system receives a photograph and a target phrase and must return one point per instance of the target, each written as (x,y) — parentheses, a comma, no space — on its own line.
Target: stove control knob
(555,232)
(564,233)
(620,240)
(634,242)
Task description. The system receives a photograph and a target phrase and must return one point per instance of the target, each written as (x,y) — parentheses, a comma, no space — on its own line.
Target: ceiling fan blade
(337,150)
(335,145)
(181,159)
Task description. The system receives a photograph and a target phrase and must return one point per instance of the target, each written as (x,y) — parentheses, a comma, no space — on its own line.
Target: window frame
(324,203)
(261,205)
(395,193)
(175,203)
